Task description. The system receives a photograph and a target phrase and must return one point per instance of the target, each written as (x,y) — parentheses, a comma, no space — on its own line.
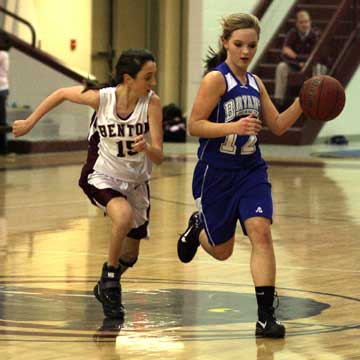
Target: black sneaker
(189,241)
(108,292)
(270,328)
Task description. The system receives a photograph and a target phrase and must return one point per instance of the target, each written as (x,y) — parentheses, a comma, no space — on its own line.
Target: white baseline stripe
(151,259)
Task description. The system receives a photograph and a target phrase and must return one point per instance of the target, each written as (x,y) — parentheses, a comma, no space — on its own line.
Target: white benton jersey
(115,137)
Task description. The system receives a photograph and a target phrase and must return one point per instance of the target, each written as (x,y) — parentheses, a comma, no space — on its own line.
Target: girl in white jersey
(125,138)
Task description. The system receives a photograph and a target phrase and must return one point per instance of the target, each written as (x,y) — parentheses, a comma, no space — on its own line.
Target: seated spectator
(173,124)
(299,42)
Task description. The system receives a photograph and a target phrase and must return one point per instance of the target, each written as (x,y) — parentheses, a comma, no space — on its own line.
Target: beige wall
(100,40)
(155,24)
(62,20)
(134,28)
(56,22)
(169,58)
(129,24)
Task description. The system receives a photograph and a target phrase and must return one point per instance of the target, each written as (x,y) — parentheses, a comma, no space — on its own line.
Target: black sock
(265,300)
(110,272)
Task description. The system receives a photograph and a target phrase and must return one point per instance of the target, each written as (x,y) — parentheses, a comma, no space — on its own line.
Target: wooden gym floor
(53,244)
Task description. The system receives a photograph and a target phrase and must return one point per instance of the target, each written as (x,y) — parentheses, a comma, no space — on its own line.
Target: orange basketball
(322,98)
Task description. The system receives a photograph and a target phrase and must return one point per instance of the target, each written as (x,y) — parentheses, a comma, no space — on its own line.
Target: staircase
(338,21)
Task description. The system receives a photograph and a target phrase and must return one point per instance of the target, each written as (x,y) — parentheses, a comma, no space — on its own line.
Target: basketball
(322,98)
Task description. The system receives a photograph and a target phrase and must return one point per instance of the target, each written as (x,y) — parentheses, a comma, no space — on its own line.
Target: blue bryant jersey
(233,151)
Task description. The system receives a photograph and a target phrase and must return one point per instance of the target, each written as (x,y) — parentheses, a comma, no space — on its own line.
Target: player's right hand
(248,125)
(21,127)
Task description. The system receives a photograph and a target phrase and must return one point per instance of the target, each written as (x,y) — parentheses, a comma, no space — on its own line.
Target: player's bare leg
(263,267)
(108,288)
(129,253)
(195,235)
(219,252)
(121,215)
(263,270)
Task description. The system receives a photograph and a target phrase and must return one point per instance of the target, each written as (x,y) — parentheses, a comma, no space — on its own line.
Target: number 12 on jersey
(229,147)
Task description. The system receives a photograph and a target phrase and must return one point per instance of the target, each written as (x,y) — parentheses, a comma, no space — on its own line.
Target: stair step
(291,137)
(266,70)
(272,56)
(343,30)
(322,2)
(269,84)
(317,6)
(318,23)
(41,146)
(318,12)
(293,90)
(292,129)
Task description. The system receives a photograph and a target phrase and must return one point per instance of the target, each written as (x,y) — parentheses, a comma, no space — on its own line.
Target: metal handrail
(261,8)
(356,16)
(33,34)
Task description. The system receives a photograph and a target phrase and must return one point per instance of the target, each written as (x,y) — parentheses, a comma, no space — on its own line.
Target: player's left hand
(140,144)
(21,127)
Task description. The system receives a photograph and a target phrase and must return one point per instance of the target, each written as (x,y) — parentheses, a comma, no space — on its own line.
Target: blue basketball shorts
(225,196)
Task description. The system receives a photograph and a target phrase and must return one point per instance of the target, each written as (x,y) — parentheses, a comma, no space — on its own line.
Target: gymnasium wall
(30,82)
(56,23)
(347,123)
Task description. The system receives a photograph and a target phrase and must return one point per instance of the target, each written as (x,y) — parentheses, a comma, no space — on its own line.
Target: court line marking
(39,293)
(149,258)
(85,202)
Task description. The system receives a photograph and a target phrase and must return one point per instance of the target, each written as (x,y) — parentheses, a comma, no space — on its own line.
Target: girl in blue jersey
(230,180)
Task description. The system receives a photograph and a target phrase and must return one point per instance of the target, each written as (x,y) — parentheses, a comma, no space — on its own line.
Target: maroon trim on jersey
(139,232)
(93,120)
(92,156)
(101,196)
(124,118)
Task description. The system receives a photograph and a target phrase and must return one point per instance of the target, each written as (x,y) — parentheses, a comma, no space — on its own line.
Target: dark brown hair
(130,62)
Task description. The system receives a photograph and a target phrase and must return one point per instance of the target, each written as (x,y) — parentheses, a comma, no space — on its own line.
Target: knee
(123,215)
(262,239)
(123,222)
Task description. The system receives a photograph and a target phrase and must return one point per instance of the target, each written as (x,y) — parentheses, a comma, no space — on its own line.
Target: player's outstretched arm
(277,123)
(73,94)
